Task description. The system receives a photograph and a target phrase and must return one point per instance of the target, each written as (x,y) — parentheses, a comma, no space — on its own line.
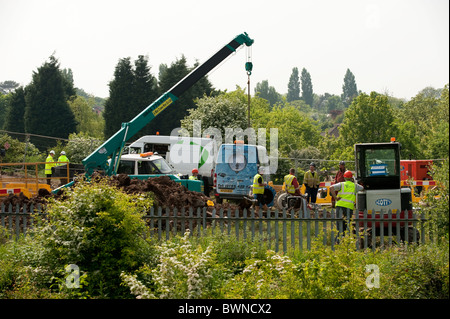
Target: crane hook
(249,64)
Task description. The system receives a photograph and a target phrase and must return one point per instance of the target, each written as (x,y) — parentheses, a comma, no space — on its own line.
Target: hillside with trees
(310,125)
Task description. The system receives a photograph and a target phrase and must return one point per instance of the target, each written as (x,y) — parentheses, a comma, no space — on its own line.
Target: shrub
(99,229)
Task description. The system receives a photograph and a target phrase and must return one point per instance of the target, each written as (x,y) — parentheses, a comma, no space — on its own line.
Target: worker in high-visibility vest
(49,165)
(258,189)
(291,183)
(194,175)
(346,197)
(338,178)
(63,159)
(311,180)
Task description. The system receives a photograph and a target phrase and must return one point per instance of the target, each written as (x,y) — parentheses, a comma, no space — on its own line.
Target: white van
(182,153)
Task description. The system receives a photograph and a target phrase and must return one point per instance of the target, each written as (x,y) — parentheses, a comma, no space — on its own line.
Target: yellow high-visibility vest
(256,188)
(48,165)
(288,179)
(347,195)
(63,159)
(311,180)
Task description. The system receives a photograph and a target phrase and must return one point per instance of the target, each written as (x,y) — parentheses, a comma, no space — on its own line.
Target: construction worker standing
(338,178)
(291,183)
(258,189)
(194,175)
(346,197)
(62,159)
(311,181)
(49,165)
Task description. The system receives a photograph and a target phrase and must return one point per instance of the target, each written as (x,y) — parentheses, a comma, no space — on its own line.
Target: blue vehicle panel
(236,166)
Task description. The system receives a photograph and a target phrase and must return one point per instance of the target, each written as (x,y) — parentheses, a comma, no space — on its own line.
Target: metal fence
(284,230)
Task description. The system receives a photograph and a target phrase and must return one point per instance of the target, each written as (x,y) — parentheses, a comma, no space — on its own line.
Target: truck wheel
(281,201)
(269,195)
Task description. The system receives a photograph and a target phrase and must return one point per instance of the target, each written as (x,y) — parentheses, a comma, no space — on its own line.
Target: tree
(307,87)
(145,89)
(171,117)
(47,111)
(14,119)
(425,119)
(68,85)
(88,121)
(349,89)
(120,97)
(227,110)
(8,86)
(80,146)
(369,119)
(293,86)
(264,91)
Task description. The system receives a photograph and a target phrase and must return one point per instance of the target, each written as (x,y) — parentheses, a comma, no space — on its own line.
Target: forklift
(378,171)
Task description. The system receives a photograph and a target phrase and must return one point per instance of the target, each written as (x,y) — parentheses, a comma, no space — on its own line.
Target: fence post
(293,229)
(191,221)
(406,226)
(245,223)
(308,231)
(221,220)
(300,230)
(390,227)
(276,231)
(422,228)
(332,223)
(284,231)
(159,223)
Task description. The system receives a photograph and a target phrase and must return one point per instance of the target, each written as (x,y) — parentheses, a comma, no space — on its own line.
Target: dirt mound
(168,193)
(21,199)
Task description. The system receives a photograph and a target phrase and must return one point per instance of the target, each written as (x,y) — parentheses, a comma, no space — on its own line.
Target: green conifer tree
(307,87)
(117,106)
(14,118)
(47,111)
(293,86)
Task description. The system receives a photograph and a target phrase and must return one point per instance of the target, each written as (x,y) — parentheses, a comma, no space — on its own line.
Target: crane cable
(248,68)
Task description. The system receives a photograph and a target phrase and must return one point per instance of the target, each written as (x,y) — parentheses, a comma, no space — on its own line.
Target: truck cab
(143,164)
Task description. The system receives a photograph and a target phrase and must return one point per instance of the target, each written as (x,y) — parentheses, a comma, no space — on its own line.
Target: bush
(100,230)
(437,201)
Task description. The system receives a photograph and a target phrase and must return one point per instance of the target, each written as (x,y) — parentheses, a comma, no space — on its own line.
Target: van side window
(161,149)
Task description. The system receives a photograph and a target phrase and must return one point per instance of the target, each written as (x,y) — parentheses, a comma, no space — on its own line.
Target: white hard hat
(52,152)
(63,153)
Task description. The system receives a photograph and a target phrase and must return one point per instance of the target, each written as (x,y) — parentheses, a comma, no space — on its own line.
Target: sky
(397,47)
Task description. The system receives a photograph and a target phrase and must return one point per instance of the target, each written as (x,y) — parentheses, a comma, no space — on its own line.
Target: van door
(235,168)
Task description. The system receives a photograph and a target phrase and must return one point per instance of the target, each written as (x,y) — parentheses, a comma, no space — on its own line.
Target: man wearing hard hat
(194,175)
(346,197)
(49,164)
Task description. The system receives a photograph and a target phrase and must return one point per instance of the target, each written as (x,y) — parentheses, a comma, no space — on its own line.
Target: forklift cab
(378,165)
(378,171)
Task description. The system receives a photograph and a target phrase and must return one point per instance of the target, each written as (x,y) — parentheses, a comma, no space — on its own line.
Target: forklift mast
(113,147)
